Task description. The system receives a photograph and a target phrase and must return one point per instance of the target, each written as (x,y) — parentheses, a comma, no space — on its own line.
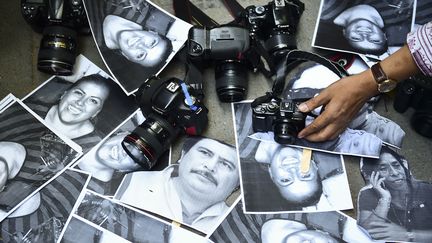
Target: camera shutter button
(259,10)
(272,107)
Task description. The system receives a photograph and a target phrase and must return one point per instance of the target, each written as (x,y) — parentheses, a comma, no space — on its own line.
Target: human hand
(377,183)
(343,100)
(387,231)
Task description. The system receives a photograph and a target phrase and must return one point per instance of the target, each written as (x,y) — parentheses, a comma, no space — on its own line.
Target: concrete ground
(18,75)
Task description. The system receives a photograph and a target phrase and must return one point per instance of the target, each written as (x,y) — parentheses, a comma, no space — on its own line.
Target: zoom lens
(149,141)
(279,43)
(284,133)
(57,50)
(231,81)
(286,129)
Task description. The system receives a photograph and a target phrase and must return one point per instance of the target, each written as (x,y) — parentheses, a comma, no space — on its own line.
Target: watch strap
(378,73)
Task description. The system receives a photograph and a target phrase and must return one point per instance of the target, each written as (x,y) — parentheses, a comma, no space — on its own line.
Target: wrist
(368,83)
(410,236)
(385,201)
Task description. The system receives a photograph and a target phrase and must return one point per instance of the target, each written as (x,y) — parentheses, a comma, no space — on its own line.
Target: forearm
(379,213)
(398,66)
(422,235)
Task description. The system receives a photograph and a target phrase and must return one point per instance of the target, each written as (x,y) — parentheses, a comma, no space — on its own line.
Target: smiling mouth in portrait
(206,176)
(399,181)
(74,110)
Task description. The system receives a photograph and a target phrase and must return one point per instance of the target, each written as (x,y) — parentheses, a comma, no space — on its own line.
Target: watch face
(387,85)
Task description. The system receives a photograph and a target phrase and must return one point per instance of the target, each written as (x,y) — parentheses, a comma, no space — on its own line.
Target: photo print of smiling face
(285,172)
(143,47)
(366,36)
(391,169)
(82,101)
(112,154)
(209,170)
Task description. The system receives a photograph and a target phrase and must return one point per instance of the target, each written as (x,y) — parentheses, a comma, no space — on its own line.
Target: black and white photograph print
(136,38)
(370,27)
(364,136)
(31,155)
(42,217)
(193,191)
(130,224)
(78,230)
(329,227)
(6,101)
(272,180)
(85,109)
(108,162)
(422,13)
(394,206)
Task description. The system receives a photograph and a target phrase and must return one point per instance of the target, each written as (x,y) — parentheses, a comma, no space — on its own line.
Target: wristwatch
(385,84)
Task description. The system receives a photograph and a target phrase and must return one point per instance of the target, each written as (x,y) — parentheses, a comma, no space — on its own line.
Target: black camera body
(280,116)
(59,21)
(226,46)
(275,24)
(171,107)
(416,92)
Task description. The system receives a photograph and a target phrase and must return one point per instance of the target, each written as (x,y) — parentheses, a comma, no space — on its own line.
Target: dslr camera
(282,117)
(171,107)
(275,24)
(226,46)
(59,21)
(416,92)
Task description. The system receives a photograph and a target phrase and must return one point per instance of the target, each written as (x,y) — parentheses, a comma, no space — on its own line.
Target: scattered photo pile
(67,176)
(42,217)
(31,156)
(101,218)
(331,227)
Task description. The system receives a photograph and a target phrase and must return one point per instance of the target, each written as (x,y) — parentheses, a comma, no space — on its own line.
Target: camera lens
(279,43)
(286,129)
(284,133)
(57,50)
(231,81)
(149,141)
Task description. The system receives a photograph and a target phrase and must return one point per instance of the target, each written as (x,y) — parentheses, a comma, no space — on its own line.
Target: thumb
(312,103)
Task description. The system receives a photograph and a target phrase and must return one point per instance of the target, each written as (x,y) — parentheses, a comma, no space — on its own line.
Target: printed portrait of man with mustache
(193,190)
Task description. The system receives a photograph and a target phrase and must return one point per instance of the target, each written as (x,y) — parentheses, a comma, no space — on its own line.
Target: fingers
(313,103)
(322,128)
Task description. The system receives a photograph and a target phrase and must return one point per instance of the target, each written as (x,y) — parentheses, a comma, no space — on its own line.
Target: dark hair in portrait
(117,101)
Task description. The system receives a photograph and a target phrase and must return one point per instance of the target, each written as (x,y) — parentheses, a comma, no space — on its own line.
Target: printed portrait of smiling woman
(78,105)
(80,109)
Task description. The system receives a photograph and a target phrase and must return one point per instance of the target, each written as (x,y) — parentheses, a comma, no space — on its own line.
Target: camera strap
(190,13)
(296,57)
(292,59)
